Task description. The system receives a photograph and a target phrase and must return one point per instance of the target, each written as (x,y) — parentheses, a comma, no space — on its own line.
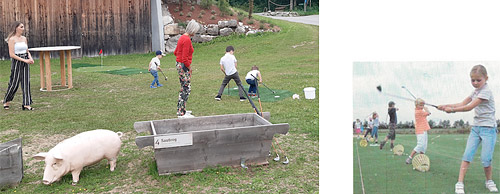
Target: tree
(250,9)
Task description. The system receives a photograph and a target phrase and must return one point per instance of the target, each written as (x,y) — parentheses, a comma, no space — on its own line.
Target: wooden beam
(70,70)
(48,75)
(63,71)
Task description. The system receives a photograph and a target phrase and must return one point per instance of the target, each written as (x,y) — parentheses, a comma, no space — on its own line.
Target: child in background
(369,128)
(154,66)
(421,128)
(358,127)
(250,78)
(376,123)
(484,128)
(228,65)
(392,125)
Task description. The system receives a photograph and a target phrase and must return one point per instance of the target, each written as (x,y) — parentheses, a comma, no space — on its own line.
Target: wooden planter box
(11,162)
(191,144)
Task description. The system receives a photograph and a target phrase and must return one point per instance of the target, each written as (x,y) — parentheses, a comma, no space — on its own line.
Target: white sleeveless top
(20,47)
(250,73)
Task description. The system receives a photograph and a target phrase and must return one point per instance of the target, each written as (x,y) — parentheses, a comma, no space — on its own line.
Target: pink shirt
(421,123)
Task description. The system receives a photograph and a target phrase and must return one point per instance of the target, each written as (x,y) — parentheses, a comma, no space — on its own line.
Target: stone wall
(206,33)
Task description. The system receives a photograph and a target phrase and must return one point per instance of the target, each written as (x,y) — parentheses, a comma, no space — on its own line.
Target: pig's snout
(46,182)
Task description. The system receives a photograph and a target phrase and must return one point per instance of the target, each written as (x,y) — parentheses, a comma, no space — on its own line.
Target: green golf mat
(117,70)
(265,94)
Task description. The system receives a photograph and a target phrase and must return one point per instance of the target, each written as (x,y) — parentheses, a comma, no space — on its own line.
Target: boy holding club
(421,128)
(228,64)
(392,125)
(154,66)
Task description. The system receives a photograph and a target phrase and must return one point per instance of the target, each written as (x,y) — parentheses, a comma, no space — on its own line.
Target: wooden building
(115,26)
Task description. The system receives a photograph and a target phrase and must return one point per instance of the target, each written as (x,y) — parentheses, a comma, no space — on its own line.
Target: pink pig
(81,150)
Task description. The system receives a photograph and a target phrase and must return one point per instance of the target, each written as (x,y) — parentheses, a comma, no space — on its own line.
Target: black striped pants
(19,72)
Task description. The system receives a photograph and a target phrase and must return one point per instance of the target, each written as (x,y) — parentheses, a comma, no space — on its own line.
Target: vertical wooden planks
(116,26)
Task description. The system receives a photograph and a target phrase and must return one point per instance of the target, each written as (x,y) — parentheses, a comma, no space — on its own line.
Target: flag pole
(101,57)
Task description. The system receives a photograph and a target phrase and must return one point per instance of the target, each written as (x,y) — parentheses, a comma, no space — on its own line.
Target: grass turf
(265,94)
(384,172)
(289,59)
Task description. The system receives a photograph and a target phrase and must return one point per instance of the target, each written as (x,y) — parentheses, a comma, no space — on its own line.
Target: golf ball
(276,96)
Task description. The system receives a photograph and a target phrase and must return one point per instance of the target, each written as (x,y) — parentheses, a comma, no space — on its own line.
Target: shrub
(192,8)
(271,25)
(231,13)
(200,16)
(202,12)
(240,18)
(224,7)
(212,17)
(181,14)
(250,22)
(261,26)
(213,11)
(189,14)
(240,13)
(206,4)
(176,9)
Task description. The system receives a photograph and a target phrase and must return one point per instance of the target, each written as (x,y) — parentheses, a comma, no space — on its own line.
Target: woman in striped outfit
(19,69)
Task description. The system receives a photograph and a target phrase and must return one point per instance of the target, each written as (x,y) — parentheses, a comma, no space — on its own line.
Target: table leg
(63,71)
(42,80)
(70,71)
(47,71)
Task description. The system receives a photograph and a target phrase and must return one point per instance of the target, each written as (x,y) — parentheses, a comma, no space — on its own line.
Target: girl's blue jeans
(487,136)
(155,75)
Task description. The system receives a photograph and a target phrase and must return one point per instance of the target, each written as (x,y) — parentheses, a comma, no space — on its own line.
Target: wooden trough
(11,162)
(191,144)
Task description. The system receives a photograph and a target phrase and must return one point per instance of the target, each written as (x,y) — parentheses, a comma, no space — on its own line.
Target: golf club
(409,92)
(161,72)
(264,84)
(379,88)
(258,95)
(163,75)
(250,100)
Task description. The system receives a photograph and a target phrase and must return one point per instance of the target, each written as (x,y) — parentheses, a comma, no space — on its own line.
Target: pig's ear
(57,155)
(40,156)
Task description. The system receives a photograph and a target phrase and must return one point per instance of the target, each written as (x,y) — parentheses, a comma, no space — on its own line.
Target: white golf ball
(276,96)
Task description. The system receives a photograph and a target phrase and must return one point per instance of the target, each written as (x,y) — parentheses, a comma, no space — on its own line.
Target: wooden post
(291,5)
(70,71)
(42,80)
(63,71)
(305,6)
(47,71)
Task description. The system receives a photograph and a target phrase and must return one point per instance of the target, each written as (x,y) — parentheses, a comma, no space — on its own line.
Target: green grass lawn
(384,172)
(115,102)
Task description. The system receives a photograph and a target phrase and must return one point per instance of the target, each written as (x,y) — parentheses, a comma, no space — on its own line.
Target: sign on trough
(169,141)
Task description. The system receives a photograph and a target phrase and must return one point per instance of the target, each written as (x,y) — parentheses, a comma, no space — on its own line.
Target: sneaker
(217,98)
(382,144)
(459,188)
(152,86)
(490,185)
(160,85)
(408,160)
(392,146)
(242,99)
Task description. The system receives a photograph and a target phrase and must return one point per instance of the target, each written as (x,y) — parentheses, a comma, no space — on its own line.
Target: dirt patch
(37,143)
(9,132)
(206,18)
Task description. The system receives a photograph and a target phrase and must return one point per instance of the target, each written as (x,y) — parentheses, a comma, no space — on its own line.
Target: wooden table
(45,56)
